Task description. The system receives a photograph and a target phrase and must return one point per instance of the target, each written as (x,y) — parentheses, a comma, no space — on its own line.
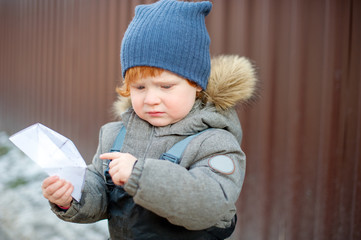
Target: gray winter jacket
(195,194)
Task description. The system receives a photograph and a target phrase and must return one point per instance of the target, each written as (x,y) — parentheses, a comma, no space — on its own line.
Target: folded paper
(53,152)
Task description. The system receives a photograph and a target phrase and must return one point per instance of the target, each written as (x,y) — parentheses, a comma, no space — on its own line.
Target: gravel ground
(3,234)
(24,213)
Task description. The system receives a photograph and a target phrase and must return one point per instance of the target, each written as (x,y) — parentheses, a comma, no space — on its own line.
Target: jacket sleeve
(93,203)
(192,194)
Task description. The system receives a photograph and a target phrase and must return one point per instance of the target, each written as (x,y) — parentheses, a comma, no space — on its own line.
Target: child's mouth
(155,114)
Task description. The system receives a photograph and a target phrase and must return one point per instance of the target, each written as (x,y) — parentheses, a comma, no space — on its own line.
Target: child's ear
(199,89)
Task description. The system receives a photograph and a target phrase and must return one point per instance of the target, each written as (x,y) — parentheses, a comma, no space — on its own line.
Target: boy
(173,94)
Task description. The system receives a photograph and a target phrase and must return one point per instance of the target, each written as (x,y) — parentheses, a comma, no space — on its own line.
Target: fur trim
(232,80)
(121,105)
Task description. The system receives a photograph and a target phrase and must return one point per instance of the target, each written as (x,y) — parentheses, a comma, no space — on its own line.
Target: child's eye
(138,87)
(166,86)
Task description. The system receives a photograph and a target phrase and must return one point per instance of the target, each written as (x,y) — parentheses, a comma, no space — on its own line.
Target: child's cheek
(137,106)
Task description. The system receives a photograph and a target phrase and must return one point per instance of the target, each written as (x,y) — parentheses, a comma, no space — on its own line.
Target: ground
(24,212)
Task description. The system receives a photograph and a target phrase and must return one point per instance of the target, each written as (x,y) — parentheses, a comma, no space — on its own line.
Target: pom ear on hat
(171,35)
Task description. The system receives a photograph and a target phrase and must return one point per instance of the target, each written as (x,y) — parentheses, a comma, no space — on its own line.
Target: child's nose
(151,97)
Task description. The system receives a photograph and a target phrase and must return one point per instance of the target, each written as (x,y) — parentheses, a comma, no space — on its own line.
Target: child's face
(164,99)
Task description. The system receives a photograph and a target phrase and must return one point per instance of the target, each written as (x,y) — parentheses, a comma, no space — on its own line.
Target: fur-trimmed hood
(232,81)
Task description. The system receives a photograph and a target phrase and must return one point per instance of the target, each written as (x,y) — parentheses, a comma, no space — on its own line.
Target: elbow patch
(222,164)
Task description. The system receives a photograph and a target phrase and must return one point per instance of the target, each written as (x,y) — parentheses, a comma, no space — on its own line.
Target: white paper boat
(56,154)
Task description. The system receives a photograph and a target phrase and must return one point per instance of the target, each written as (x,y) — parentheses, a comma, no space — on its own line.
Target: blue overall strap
(118,143)
(175,153)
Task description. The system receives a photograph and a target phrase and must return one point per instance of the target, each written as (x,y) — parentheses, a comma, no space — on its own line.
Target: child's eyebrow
(166,80)
(163,81)
(136,83)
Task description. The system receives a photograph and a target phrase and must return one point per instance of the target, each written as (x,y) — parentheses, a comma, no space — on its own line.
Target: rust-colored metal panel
(59,65)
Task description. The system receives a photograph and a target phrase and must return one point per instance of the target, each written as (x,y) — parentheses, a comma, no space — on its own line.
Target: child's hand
(120,167)
(57,191)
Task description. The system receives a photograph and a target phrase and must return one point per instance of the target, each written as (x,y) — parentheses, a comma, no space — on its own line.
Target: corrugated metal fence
(59,65)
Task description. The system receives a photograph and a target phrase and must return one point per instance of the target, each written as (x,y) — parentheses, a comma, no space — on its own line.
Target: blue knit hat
(171,35)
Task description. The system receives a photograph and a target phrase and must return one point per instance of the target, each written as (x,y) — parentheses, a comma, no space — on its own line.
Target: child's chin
(159,122)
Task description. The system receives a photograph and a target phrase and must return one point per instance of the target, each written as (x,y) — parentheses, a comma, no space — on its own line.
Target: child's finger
(52,188)
(62,197)
(111,155)
(48,181)
(114,163)
(60,192)
(67,198)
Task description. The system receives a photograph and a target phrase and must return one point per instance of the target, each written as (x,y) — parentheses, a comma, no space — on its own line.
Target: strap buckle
(170,157)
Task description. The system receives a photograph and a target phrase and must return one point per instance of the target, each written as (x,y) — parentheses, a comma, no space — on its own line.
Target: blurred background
(59,65)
